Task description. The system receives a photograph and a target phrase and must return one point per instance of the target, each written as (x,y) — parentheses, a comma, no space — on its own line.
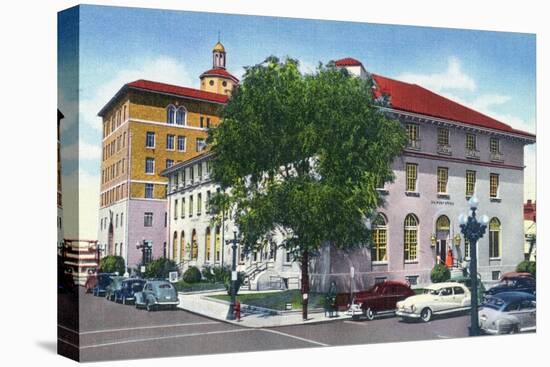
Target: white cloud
(452,78)
(161,69)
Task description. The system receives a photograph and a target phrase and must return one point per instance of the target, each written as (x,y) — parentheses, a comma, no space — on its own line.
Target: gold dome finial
(219,47)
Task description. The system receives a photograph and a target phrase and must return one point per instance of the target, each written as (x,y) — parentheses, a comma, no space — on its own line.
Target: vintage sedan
(157,294)
(113,287)
(514,283)
(128,289)
(100,283)
(437,299)
(508,313)
(381,299)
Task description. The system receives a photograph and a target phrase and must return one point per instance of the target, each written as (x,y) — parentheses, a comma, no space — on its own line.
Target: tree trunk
(305,283)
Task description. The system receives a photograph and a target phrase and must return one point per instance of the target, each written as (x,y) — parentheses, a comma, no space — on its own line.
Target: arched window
(124,113)
(380,239)
(443,224)
(411,237)
(207,243)
(182,245)
(170,114)
(175,247)
(494,238)
(181,115)
(194,246)
(217,245)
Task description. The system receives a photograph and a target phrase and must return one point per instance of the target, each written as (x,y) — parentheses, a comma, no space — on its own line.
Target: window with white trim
(181,143)
(150,165)
(150,139)
(411,238)
(148,219)
(170,142)
(149,190)
(181,115)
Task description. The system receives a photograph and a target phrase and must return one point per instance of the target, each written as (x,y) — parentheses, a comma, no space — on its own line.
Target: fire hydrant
(238,311)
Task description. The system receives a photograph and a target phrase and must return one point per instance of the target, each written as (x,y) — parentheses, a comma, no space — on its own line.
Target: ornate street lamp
(233,286)
(146,248)
(473,230)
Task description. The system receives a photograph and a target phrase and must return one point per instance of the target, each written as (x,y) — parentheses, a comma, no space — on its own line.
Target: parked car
(156,294)
(514,283)
(127,291)
(380,299)
(101,282)
(114,285)
(467,281)
(437,299)
(508,313)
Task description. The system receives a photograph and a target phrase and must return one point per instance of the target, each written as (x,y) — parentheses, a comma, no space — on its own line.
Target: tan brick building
(148,127)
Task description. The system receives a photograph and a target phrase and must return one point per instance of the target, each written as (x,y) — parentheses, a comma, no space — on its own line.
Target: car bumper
(354,311)
(403,313)
(167,303)
(489,331)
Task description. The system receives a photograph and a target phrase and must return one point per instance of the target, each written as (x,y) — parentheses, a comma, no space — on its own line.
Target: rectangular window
(183,177)
(181,143)
(192,174)
(411,176)
(150,139)
(199,203)
(150,166)
(208,122)
(201,144)
(176,209)
(494,244)
(411,244)
(442,179)
(190,205)
(494,146)
(495,275)
(380,242)
(470,183)
(148,219)
(202,121)
(169,163)
(471,142)
(149,190)
(199,171)
(207,204)
(442,136)
(412,134)
(493,185)
(183,207)
(170,142)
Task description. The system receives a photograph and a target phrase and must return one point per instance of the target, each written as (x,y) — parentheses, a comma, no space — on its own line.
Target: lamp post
(233,286)
(473,230)
(145,247)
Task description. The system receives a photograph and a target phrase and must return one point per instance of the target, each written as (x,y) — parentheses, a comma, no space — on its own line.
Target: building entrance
(442,229)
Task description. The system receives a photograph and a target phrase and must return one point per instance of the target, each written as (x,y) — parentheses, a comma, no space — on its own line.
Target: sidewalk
(216,309)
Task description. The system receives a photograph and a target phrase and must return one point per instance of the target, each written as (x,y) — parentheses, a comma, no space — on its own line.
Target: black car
(514,284)
(127,291)
(102,281)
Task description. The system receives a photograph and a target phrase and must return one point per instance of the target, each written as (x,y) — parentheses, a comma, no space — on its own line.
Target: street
(114,331)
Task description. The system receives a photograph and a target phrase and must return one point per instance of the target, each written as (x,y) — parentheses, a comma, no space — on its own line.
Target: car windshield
(494,303)
(433,292)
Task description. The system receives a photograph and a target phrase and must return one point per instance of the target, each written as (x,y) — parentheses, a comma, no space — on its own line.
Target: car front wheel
(369,314)
(123,300)
(426,314)
(149,306)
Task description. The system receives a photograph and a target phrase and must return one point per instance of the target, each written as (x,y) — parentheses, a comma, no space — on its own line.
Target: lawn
(277,300)
(183,286)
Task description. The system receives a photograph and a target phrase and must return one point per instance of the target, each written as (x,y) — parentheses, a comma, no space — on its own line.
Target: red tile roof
(416,99)
(220,72)
(178,91)
(348,61)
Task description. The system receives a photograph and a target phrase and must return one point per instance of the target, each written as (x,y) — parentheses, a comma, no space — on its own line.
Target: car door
(444,301)
(527,314)
(458,296)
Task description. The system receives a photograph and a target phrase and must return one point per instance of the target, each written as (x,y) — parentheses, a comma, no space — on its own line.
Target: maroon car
(378,300)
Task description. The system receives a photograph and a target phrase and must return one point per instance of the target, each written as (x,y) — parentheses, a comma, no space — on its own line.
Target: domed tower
(218,80)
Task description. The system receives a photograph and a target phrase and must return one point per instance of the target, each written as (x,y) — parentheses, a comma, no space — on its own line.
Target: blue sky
(493,72)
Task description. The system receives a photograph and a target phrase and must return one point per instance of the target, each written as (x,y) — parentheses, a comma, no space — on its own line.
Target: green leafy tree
(112,264)
(440,273)
(303,155)
(527,267)
(160,268)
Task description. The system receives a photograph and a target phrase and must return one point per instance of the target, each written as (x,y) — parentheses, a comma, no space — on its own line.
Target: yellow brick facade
(125,141)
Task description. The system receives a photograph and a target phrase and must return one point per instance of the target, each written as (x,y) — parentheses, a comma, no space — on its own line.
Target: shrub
(220,273)
(207,274)
(192,275)
(440,273)
(160,268)
(527,267)
(111,264)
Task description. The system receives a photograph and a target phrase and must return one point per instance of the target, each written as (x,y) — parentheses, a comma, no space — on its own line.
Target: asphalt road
(110,331)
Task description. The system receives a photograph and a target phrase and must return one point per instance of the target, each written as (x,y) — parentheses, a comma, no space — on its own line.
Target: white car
(439,298)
